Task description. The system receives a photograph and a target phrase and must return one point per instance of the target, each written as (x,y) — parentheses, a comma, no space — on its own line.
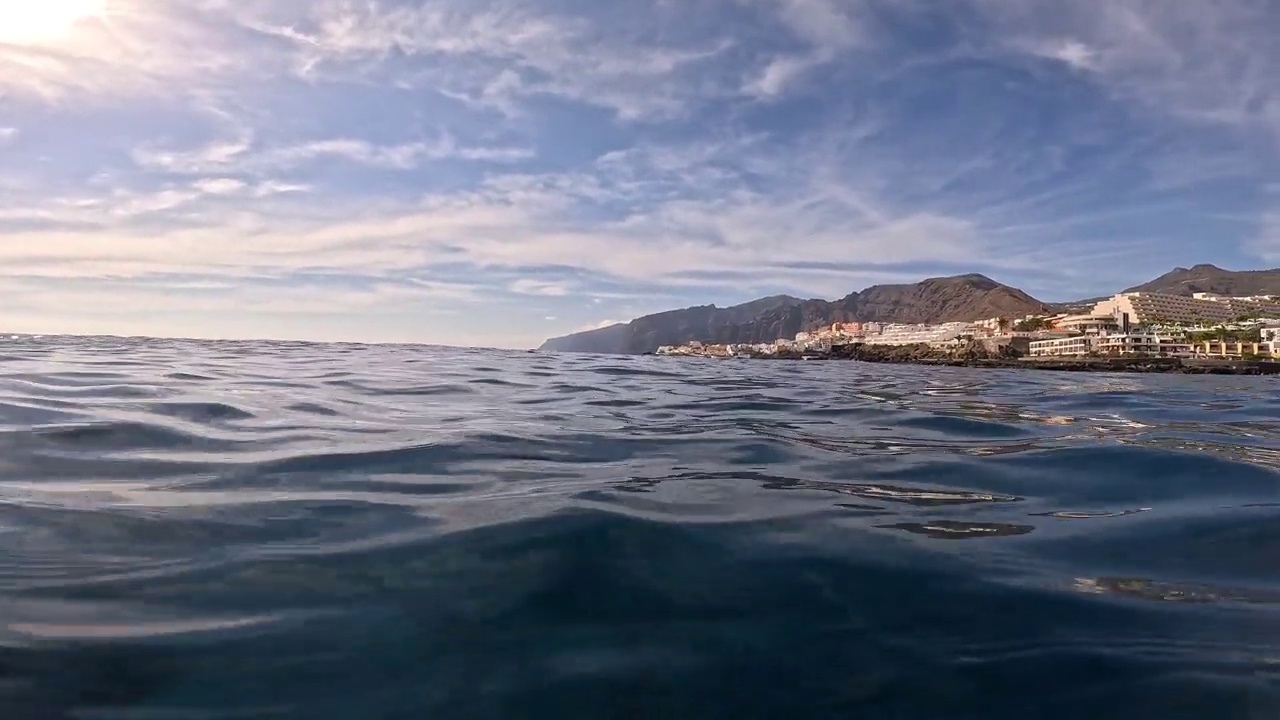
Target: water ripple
(250,529)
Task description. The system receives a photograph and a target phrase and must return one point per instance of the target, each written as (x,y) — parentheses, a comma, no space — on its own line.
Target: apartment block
(1140,343)
(1117,344)
(1143,308)
(1063,346)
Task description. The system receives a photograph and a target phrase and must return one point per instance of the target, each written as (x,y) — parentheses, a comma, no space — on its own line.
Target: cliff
(963,297)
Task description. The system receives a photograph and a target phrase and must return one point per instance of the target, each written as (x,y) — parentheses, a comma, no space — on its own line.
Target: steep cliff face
(965,297)
(1213,279)
(704,322)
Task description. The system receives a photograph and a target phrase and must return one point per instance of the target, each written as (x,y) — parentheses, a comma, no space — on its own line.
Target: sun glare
(42,21)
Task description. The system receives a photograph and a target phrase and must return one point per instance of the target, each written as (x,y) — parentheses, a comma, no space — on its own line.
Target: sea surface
(194,530)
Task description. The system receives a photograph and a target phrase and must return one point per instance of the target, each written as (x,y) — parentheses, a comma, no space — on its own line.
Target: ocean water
(257,530)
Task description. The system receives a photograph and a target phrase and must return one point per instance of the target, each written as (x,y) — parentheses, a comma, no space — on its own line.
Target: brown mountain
(963,297)
(1213,279)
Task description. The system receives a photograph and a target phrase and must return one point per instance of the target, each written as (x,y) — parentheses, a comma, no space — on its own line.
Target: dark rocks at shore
(923,353)
(981,356)
(1157,365)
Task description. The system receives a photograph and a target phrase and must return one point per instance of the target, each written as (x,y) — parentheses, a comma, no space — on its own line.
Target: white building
(993,325)
(1144,308)
(1115,344)
(1140,343)
(1245,298)
(896,334)
(1063,346)
(1089,324)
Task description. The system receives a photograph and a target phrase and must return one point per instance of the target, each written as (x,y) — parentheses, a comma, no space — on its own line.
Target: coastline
(981,358)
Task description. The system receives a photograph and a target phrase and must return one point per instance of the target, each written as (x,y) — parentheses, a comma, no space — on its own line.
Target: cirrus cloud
(516,161)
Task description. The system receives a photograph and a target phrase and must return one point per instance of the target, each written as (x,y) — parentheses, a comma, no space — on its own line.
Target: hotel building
(1118,344)
(1142,308)
(1063,346)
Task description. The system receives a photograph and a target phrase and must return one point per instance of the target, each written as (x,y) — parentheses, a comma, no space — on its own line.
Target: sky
(496,172)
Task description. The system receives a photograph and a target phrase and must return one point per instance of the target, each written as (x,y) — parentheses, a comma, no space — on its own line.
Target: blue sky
(494,172)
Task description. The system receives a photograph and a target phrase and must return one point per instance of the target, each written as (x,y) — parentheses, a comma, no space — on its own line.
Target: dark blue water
(250,530)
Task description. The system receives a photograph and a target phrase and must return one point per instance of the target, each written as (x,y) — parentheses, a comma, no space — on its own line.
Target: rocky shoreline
(978,356)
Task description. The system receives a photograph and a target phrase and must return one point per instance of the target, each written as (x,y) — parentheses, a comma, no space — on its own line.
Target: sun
(41,21)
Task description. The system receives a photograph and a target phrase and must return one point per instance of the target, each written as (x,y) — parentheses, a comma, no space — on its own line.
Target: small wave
(294,530)
(961,530)
(1092,515)
(313,409)
(1147,589)
(200,412)
(185,376)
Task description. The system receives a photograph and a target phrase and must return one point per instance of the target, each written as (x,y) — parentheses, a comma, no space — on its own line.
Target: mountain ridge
(961,297)
(1213,279)
(970,296)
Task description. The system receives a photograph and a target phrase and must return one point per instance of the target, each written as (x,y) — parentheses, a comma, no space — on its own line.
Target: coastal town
(1134,324)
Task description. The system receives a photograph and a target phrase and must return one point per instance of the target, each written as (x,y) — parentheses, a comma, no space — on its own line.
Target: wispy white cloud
(217,156)
(400,157)
(1070,52)
(581,160)
(268,188)
(220,186)
(138,49)
(240,155)
(1209,62)
(514,222)
(826,28)
(514,52)
(526,286)
(598,325)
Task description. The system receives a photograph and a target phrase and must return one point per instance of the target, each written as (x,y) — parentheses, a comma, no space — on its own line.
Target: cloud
(1211,63)
(140,49)
(525,286)
(239,155)
(661,227)
(1070,52)
(7,135)
(780,73)
(219,186)
(268,188)
(514,53)
(219,155)
(827,29)
(354,167)
(400,157)
(598,325)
